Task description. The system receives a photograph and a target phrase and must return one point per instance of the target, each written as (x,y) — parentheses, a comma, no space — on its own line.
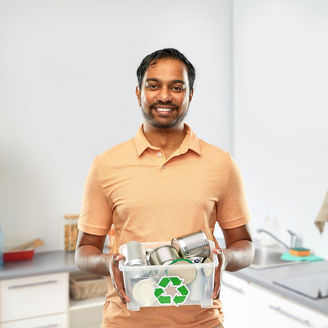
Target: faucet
(295,240)
(273,236)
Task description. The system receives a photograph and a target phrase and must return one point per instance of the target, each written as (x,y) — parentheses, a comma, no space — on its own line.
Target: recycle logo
(181,291)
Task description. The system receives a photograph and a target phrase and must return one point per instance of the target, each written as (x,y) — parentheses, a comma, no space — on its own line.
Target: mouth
(163,109)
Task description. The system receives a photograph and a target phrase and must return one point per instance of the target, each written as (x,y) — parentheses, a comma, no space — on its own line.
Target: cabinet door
(273,311)
(53,321)
(234,302)
(33,296)
(292,315)
(260,313)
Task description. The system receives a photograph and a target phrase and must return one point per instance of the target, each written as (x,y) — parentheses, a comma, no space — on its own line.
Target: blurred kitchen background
(68,81)
(67,86)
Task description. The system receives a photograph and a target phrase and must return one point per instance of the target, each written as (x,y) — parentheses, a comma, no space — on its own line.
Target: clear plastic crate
(169,285)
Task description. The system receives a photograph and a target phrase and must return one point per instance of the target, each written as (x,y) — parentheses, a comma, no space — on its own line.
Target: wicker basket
(87,285)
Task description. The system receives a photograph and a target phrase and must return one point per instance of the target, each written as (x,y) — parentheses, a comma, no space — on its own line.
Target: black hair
(166,53)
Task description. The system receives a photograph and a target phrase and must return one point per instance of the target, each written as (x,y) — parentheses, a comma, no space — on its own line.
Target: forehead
(167,69)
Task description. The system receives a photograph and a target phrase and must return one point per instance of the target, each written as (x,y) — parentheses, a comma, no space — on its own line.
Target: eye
(177,88)
(152,86)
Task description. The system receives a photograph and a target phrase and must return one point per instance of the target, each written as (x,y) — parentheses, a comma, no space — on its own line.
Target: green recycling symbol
(180,297)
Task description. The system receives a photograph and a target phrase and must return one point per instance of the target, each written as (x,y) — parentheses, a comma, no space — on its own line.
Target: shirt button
(159,154)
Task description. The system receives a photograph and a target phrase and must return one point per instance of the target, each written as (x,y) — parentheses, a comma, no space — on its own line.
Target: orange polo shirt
(148,198)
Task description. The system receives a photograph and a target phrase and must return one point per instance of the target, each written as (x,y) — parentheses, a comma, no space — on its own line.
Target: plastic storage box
(176,284)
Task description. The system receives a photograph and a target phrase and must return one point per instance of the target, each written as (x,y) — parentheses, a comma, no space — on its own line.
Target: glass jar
(70,231)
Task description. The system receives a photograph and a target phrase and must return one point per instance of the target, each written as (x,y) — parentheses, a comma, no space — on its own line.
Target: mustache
(166,103)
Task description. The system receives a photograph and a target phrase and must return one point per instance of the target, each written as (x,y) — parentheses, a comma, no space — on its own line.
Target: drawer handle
(289,315)
(236,289)
(54,325)
(33,284)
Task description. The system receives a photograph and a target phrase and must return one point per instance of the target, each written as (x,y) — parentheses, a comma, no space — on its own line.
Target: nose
(164,94)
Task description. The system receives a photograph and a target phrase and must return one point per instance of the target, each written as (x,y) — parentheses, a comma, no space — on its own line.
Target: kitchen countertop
(41,263)
(61,261)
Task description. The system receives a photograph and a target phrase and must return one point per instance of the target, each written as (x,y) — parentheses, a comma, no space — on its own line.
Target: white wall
(280,134)
(67,82)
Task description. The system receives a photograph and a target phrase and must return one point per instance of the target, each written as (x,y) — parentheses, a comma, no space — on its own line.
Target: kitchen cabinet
(51,321)
(274,311)
(250,306)
(234,300)
(43,301)
(38,300)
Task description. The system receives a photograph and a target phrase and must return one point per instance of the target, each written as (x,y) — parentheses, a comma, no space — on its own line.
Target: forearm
(238,255)
(89,258)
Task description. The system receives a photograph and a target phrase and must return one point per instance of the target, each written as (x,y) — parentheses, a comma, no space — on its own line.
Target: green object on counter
(311,258)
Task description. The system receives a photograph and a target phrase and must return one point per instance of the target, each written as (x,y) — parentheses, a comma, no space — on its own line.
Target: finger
(221,258)
(120,286)
(217,284)
(118,278)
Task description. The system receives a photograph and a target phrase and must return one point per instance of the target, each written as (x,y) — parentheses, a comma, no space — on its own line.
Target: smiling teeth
(164,109)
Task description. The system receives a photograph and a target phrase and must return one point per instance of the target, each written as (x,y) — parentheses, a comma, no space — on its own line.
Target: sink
(266,257)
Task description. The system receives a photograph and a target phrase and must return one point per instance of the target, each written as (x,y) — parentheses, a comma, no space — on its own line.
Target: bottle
(1,248)
(70,231)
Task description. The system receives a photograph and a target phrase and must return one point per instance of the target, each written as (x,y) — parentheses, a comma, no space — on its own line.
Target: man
(163,183)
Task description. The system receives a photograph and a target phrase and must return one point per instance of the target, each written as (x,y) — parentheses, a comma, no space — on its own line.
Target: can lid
(207,271)
(143,292)
(188,274)
(181,260)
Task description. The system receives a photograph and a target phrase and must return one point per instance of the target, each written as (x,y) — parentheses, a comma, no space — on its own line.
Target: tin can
(135,256)
(183,269)
(163,255)
(192,245)
(143,292)
(196,259)
(196,288)
(207,271)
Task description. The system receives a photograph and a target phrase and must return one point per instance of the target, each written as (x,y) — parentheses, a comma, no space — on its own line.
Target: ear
(191,93)
(138,94)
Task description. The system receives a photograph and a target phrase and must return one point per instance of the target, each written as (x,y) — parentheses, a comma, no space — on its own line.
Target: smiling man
(163,183)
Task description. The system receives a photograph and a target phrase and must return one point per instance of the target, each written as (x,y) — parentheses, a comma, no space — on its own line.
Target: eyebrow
(152,79)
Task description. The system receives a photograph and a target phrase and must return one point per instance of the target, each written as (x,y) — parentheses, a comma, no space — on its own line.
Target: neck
(166,139)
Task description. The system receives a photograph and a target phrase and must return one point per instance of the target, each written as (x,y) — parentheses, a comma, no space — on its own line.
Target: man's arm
(89,257)
(238,254)
(89,254)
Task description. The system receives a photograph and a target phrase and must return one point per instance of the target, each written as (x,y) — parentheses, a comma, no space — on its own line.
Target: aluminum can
(163,255)
(192,245)
(135,256)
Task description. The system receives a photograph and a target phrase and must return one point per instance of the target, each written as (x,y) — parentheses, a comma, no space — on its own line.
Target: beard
(149,117)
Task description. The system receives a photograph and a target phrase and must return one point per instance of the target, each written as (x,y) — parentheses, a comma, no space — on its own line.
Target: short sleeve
(95,215)
(232,210)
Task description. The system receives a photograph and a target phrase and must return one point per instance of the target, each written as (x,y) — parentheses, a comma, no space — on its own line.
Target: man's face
(165,95)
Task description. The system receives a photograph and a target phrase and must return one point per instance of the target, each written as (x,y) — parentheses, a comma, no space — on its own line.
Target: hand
(117,277)
(218,273)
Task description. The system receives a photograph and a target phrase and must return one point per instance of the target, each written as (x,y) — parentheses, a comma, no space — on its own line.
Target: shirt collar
(190,141)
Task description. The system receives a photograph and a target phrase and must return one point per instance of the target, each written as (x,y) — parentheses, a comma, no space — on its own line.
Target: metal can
(207,271)
(135,255)
(143,292)
(192,245)
(184,269)
(163,255)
